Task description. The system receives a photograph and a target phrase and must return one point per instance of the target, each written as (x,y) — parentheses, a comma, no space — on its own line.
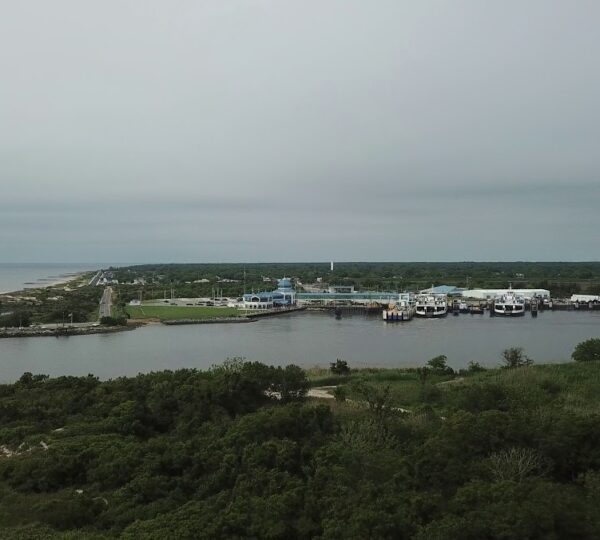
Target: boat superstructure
(401,310)
(509,305)
(431,305)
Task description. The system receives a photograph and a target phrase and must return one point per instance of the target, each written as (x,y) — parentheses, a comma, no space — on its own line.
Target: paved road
(94,281)
(106,302)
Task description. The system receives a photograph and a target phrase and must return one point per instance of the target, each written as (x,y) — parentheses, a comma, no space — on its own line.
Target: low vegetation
(77,302)
(587,351)
(240,452)
(170,313)
(113,321)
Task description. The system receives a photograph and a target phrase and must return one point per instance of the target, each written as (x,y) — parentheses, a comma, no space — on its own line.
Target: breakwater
(216,320)
(63,331)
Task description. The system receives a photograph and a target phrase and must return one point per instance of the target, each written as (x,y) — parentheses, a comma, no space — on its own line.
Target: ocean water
(17,276)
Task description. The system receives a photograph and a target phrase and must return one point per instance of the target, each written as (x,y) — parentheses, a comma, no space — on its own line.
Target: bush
(514,357)
(475,367)
(339,393)
(339,367)
(438,365)
(113,321)
(587,351)
(290,382)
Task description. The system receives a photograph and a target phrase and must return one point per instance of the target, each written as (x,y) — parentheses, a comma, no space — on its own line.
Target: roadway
(106,302)
(94,281)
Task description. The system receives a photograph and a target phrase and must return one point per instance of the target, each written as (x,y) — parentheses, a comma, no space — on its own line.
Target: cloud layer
(264,130)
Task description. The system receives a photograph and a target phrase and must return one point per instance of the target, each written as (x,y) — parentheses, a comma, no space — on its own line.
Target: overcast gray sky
(274,130)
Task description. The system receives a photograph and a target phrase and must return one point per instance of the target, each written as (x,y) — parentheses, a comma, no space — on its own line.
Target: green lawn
(166,313)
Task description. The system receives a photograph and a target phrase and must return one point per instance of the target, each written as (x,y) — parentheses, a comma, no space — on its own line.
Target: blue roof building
(283,296)
(450,290)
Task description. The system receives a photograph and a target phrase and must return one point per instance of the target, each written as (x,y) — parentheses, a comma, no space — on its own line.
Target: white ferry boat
(509,305)
(431,305)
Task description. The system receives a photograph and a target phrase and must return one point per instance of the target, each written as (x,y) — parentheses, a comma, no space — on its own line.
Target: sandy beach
(43,283)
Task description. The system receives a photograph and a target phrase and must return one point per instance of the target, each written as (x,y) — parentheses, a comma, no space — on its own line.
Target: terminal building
(448,290)
(286,296)
(283,296)
(331,297)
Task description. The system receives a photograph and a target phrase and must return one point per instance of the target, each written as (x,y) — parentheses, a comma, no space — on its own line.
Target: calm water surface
(18,276)
(306,339)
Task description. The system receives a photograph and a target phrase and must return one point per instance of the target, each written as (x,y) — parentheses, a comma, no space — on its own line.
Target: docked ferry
(431,305)
(509,305)
(401,310)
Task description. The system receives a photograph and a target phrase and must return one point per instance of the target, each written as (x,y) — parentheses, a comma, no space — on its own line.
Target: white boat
(509,305)
(431,305)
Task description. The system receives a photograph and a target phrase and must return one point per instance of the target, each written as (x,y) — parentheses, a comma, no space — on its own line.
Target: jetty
(63,331)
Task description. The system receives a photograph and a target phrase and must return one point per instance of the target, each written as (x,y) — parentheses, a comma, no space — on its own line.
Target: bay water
(303,338)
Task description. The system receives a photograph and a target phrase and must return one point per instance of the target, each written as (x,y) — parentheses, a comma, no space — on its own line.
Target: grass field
(171,313)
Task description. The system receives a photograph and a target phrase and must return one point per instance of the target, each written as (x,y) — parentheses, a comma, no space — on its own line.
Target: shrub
(515,464)
(339,393)
(438,365)
(113,321)
(474,367)
(339,367)
(514,357)
(587,351)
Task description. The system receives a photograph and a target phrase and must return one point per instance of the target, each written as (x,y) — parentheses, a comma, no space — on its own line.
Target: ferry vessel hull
(509,305)
(431,306)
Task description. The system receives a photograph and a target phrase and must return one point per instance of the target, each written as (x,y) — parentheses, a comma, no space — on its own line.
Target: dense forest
(562,278)
(239,451)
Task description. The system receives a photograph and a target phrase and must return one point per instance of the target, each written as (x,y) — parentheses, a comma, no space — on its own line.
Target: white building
(490,294)
(584,298)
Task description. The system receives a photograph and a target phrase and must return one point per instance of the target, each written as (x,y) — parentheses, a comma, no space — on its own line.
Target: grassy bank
(569,386)
(172,313)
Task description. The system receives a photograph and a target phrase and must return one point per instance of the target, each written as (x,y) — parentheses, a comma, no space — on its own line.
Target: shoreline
(65,331)
(133,324)
(49,285)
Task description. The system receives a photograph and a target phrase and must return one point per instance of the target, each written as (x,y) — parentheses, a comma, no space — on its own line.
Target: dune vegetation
(243,451)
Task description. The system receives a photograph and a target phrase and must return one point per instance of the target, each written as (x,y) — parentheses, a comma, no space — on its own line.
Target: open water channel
(306,338)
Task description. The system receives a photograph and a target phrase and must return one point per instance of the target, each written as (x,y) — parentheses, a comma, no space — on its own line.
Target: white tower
(332,266)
